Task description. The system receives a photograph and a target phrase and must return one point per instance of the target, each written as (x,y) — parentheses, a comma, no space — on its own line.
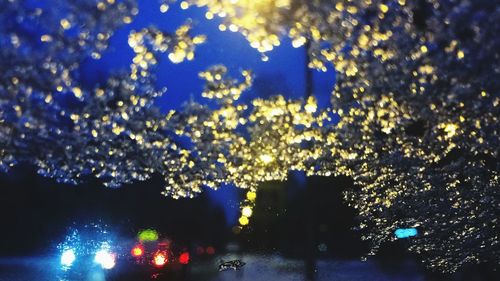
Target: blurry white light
(105,259)
(247,211)
(68,257)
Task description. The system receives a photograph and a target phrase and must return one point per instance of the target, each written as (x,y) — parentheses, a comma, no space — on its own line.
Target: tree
(419,112)
(39,51)
(419,129)
(112,132)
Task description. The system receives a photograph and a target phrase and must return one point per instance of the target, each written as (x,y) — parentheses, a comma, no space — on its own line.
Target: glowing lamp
(137,251)
(68,257)
(160,259)
(105,259)
(405,232)
(184,258)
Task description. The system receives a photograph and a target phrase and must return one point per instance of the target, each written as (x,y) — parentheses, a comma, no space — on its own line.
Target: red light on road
(137,251)
(210,250)
(160,259)
(184,258)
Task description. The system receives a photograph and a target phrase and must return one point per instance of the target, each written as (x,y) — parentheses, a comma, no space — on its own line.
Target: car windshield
(219,140)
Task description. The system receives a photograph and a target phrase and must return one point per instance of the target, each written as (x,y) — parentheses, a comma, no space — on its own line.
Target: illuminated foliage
(150,41)
(418,109)
(244,144)
(419,128)
(39,50)
(113,132)
(328,26)
(250,143)
(260,21)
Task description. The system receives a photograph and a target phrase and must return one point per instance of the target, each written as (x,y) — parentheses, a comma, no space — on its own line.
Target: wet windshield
(219,140)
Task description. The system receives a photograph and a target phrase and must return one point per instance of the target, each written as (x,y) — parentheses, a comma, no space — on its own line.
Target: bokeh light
(137,251)
(148,235)
(68,257)
(160,259)
(106,259)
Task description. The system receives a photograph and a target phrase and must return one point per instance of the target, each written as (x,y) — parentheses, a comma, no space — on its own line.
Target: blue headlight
(68,257)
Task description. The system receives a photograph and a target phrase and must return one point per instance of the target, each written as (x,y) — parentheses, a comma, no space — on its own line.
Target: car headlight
(68,257)
(105,259)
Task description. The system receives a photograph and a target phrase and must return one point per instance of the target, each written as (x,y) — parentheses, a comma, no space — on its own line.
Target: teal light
(405,232)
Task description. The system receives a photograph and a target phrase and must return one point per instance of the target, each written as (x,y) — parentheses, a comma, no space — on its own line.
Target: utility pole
(310,253)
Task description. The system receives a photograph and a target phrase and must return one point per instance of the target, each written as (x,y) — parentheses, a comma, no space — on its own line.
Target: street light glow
(247,211)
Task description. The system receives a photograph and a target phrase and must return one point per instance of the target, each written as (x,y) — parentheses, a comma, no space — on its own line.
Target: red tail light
(137,251)
(160,259)
(184,258)
(210,250)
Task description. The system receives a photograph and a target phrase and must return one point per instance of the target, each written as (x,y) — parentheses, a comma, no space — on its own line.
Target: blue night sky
(282,74)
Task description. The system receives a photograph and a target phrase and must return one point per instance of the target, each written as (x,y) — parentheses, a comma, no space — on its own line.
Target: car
(160,254)
(87,250)
(94,248)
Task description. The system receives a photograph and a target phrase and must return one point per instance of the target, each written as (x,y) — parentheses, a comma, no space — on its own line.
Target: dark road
(257,267)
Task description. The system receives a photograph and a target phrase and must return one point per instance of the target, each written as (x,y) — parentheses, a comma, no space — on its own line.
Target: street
(257,267)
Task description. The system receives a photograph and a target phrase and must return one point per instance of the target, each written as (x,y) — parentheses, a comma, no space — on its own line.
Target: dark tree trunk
(310,254)
(309,83)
